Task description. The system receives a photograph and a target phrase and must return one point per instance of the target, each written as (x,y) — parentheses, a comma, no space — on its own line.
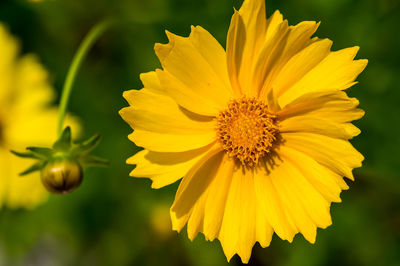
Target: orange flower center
(246,130)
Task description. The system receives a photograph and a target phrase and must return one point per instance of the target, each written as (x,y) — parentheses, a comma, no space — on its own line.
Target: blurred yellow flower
(160,222)
(26,119)
(259,133)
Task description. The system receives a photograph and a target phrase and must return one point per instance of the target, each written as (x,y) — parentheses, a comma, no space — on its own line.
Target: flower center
(246,130)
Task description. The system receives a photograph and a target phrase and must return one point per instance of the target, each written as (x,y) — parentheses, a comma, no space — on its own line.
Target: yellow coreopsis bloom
(25,120)
(258,132)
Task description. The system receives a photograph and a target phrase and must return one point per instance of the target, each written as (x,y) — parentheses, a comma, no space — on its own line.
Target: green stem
(79,56)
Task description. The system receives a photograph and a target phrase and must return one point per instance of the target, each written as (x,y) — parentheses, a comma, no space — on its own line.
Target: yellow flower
(160,222)
(259,133)
(25,120)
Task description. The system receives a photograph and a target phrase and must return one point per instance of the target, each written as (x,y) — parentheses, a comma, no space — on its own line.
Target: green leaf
(64,142)
(41,152)
(87,146)
(89,160)
(36,167)
(24,154)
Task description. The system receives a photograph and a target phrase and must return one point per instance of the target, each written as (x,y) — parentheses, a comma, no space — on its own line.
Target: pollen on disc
(246,130)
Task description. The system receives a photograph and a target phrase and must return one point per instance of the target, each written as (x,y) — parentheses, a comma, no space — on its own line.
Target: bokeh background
(113,219)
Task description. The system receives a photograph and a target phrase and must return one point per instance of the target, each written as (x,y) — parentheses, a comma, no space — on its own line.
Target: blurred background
(113,219)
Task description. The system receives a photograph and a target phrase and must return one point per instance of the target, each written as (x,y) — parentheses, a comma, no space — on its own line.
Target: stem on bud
(79,56)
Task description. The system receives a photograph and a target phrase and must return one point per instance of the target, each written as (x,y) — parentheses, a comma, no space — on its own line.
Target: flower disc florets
(246,130)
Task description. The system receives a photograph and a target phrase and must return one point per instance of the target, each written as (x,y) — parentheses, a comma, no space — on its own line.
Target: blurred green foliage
(107,220)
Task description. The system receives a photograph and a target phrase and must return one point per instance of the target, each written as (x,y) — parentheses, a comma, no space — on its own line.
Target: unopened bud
(62,175)
(61,167)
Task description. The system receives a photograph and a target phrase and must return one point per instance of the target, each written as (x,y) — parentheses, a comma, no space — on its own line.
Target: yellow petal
(270,202)
(5,172)
(337,71)
(272,102)
(193,185)
(269,53)
(195,221)
(195,71)
(336,154)
(318,125)
(300,64)
(164,168)
(221,202)
(151,85)
(156,112)
(27,113)
(234,51)
(272,25)
(31,79)
(162,142)
(322,179)
(158,121)
(264,229)
(244,221)
(186,98)
(16,191)
(254,19)
(9,49)
(305,207)
(313,202)
(238,229)
(26,128)
(335,106)
(289,41)
(216,200)
(213,52)
(252,14)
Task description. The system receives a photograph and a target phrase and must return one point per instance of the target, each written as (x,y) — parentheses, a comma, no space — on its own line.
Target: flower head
(258,132)
(25,118)
(61,167)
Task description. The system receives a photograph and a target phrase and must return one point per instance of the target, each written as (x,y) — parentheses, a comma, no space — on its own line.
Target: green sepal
(24,154)
(86,146)
(36,167)
(89,160)
(63,148)
(41,152)
(64,142)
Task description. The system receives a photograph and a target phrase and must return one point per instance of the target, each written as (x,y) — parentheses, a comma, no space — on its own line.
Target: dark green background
(106,221)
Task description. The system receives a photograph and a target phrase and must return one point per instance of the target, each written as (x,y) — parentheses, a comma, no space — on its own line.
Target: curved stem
(79,56)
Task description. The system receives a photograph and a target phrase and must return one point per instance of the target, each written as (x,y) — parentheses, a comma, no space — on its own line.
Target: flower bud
(62,175)
(62,165)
